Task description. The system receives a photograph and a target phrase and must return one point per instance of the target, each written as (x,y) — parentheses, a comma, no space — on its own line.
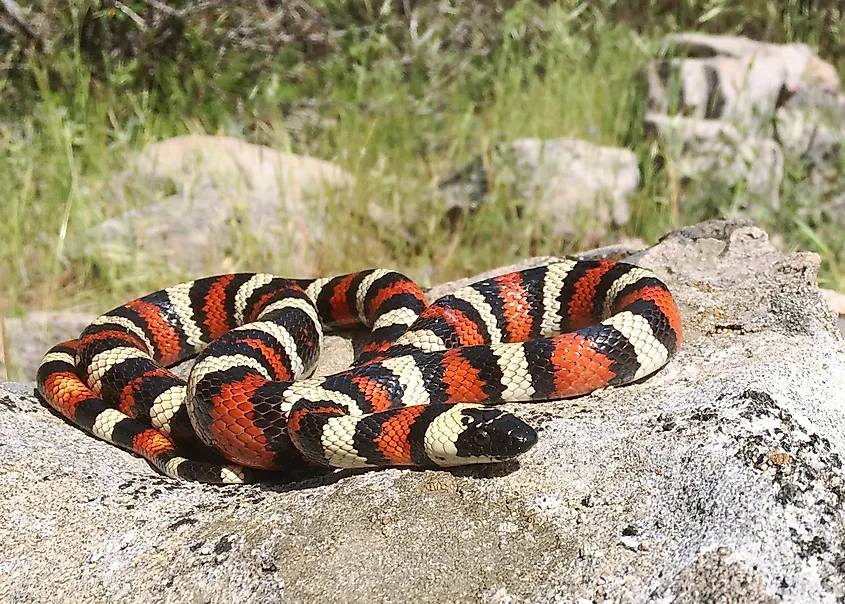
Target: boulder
(708,149)
(25,339)
(730,109)
(732,77)
(801,67)
(810,127)
(719,478)
(836,301)
(572,184)
(223,162)
(230,200)
(746,89)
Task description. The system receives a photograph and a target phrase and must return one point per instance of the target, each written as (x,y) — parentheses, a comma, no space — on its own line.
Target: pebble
(631,543)
(547,502)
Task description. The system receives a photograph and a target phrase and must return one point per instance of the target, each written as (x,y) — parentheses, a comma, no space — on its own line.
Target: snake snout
(491,435)
(522,437)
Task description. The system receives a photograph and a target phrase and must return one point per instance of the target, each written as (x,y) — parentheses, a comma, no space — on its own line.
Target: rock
(624,248)
(731,108)
(697,45)
(739,90)
(714,149)
(25,339)
(804,64)
(810,127)
(801,66)
(733,77)
(836,302)
(223,162)
(233,199)
(722,472)
(576,186)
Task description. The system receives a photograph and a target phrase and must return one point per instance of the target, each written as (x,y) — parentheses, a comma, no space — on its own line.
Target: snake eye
(482,437)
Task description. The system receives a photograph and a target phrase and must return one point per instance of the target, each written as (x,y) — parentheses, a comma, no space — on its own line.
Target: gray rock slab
(197,160)
(732,109)
(578,187)
(230,198)
(716,150)
(719,479)
(734,76)
(25,339)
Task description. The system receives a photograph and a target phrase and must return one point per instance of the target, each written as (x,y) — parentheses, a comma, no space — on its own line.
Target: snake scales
(421,393)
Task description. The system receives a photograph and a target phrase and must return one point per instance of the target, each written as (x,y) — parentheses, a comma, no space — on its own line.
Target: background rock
(200,161)
(740,90)
(693,44)
(230,196)
(733,77)
(569,182)
(731,109)
(716,149)
(718,479)
(25,339)
(836,302)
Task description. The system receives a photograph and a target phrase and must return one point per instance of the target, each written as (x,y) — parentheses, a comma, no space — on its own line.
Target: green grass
(398,122)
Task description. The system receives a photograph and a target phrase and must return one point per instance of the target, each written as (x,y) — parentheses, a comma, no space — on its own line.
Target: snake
(424,392)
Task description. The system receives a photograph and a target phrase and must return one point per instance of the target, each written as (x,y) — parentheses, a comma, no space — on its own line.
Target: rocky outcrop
(231,199)
(730,109)
(732,78)
(836,302)
(573,186)
(25,339)
(714,147)
(720,478)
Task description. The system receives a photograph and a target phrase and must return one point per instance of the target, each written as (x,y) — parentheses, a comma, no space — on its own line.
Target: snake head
(471,434)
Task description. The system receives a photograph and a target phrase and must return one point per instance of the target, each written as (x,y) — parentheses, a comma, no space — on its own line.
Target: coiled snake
(421,393)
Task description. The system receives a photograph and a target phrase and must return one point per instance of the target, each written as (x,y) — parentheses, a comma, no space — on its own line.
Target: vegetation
(398,93)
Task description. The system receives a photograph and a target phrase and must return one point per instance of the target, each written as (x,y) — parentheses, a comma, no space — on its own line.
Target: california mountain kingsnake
(417,395)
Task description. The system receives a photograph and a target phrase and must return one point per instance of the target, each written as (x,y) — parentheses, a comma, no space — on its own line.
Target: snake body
(421,393)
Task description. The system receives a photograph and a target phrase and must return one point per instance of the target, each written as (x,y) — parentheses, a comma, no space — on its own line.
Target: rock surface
(576,186)
(25,339)
(732,78)
(836,302)
(810,126)
(222,161)
(708,147)
(718,479)
(731,109)
(232,199)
